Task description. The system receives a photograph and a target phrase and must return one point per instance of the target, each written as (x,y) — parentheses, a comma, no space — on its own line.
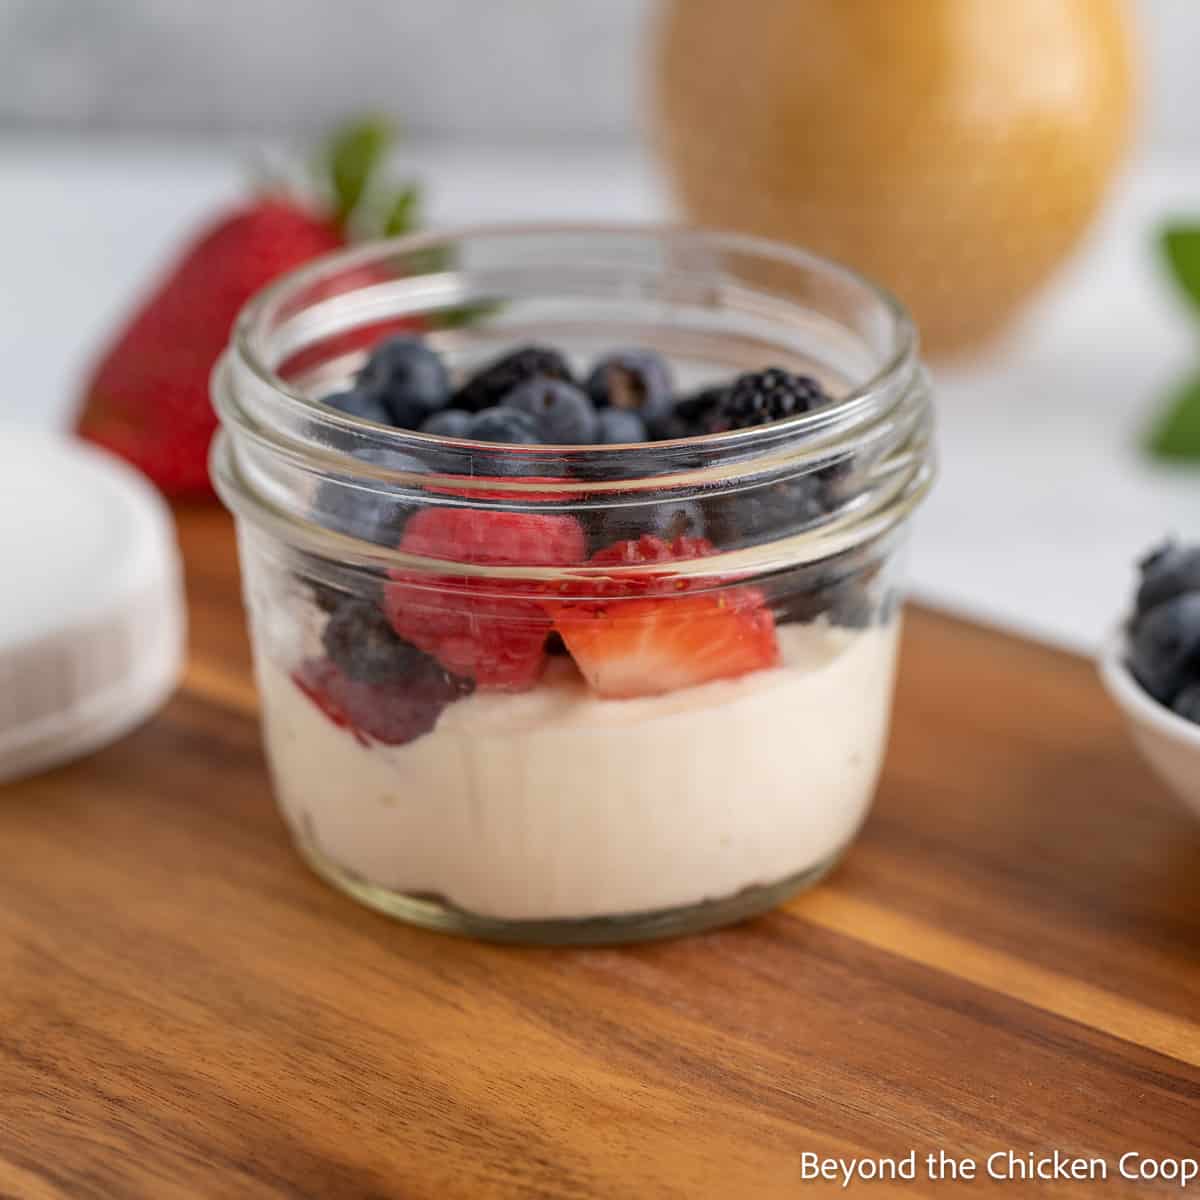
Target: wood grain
(1008,959)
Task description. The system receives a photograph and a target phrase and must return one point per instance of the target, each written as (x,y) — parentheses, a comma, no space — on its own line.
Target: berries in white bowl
(1151,667)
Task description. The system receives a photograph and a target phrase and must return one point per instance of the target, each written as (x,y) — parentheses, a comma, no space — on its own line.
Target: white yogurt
(556,804)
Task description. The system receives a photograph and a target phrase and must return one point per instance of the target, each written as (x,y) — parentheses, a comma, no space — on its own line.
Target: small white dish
(1170,744)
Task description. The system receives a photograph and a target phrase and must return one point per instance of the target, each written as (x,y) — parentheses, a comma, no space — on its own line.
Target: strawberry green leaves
(353,154)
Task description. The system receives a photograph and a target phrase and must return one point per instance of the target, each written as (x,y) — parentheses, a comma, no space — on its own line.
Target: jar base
(431,912)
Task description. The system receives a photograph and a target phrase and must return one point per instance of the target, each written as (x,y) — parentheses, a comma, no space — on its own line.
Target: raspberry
(469,625)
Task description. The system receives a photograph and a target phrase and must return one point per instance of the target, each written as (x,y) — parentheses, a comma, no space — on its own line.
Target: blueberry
(845,601)
(667,519)
(1164,650)
(634,380)
(1167,572)
(765,396)
(618,427)
(504,424)
(450,422)
(563,414)
(360,641)
(358,402)
(409,378)
(1187,703)
(768,511)
(360,509)
(492,384)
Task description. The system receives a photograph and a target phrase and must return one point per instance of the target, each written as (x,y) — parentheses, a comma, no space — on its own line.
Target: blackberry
(690,415)
(765,396)
(363,645)
(493,383)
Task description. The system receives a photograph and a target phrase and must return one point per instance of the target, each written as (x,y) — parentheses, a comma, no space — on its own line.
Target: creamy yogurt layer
(556,804)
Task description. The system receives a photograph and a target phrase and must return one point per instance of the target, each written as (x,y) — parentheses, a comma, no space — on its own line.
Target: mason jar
(559,741)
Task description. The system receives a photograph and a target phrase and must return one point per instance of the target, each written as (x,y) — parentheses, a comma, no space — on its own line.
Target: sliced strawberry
(469,625)
(646,647)
(644,634)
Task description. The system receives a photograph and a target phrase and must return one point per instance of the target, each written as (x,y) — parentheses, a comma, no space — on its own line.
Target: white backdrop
(475,69)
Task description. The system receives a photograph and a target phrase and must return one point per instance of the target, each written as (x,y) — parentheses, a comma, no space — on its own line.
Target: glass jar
(558,742)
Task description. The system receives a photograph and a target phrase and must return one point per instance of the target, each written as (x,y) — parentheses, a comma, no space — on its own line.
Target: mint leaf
(352,155)
(404,215)
(1182,246)
(1176,436)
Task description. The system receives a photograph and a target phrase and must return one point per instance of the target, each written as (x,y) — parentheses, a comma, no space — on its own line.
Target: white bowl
(1170,744)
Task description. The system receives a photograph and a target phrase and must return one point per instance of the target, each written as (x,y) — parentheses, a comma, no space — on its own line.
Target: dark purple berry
(409,378)
(769,511)
(492,384)
(618,427)
(359,639)
(503,424)
(450,422)
(562,413)
(635,380)
(765,396)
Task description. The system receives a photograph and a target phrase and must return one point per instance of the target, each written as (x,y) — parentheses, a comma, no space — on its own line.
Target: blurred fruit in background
(953,149)
(147,399)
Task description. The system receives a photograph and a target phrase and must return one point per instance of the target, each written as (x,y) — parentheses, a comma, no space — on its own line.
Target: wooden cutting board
(1008,959)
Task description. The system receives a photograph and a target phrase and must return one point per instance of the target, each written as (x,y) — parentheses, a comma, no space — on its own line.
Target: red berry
(470,625)
(645,634)
(148,399)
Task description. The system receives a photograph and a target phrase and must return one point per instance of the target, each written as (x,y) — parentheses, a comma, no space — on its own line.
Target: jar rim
(261,306)
(263,415)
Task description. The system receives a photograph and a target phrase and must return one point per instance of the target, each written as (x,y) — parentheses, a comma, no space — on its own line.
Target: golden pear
(954,150)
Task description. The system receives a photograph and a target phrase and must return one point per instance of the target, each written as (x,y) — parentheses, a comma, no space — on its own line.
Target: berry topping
(363,645)
(618,427)
(1167,572)
(645,647)
(470,625)
(768,511)
(633,381)
(493,383)
(1164,650)
(450,422)
(765,396)
(359,403)
(563,414)
(648,549)
(367,511)
(504,424)
(409,378)
(392,713)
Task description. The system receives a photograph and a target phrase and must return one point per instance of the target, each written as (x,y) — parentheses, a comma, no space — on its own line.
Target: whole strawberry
(147,399)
